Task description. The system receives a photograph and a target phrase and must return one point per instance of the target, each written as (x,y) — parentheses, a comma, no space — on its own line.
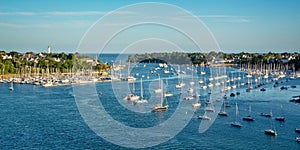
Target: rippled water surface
(46,118)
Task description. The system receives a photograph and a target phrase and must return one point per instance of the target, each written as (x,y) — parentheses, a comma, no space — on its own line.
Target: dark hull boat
(223,113)
(297,130)
(271,132)
(280,118)
(232,95)
(263,89)
(160,108)
(236,124)
(248,118)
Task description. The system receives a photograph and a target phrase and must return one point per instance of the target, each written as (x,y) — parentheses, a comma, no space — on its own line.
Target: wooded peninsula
(291,60)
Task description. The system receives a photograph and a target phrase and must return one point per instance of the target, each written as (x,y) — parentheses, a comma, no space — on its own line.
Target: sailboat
(266,114)
(204,86)
(236,123)
(131,96)
(167,94)
(202,72)
(130,77)
(234,85)
(271,131)
(190,95)
(210,79)
(197,104)
(210,106)
(280,118)
(192,83)
(142,100)
(197,93)
(249,76)
(197,96)
(249,118)
(11,88)
(180,83)
(204,117)
(160,107)
(159,90)
(223,113)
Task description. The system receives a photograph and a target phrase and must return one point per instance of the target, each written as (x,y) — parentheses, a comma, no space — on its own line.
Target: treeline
(29,63)
(291,59)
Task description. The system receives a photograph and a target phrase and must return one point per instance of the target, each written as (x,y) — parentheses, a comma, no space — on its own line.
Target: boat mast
(142,97)
(249,109)
(236,112)
(161,94)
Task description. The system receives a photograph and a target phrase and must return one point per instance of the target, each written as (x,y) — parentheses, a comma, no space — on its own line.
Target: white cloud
(225,18)
(220,16)
(11,25)
(75,13)
(76,24)
(215,18)
(17,13)
(65,13)
(79,13)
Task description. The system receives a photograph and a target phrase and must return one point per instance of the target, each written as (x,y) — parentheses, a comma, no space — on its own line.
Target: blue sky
(238,25)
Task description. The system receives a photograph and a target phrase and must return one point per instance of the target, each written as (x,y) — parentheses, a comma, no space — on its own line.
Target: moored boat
(280,118)
(236,123)
(196,105)
(11,88)
(204,117)
(160,107)
(223,113)
(271,132)
(262,89)
(249,117)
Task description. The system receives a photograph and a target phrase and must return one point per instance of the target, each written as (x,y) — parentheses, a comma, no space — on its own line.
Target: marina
(161,75)
(60,99)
